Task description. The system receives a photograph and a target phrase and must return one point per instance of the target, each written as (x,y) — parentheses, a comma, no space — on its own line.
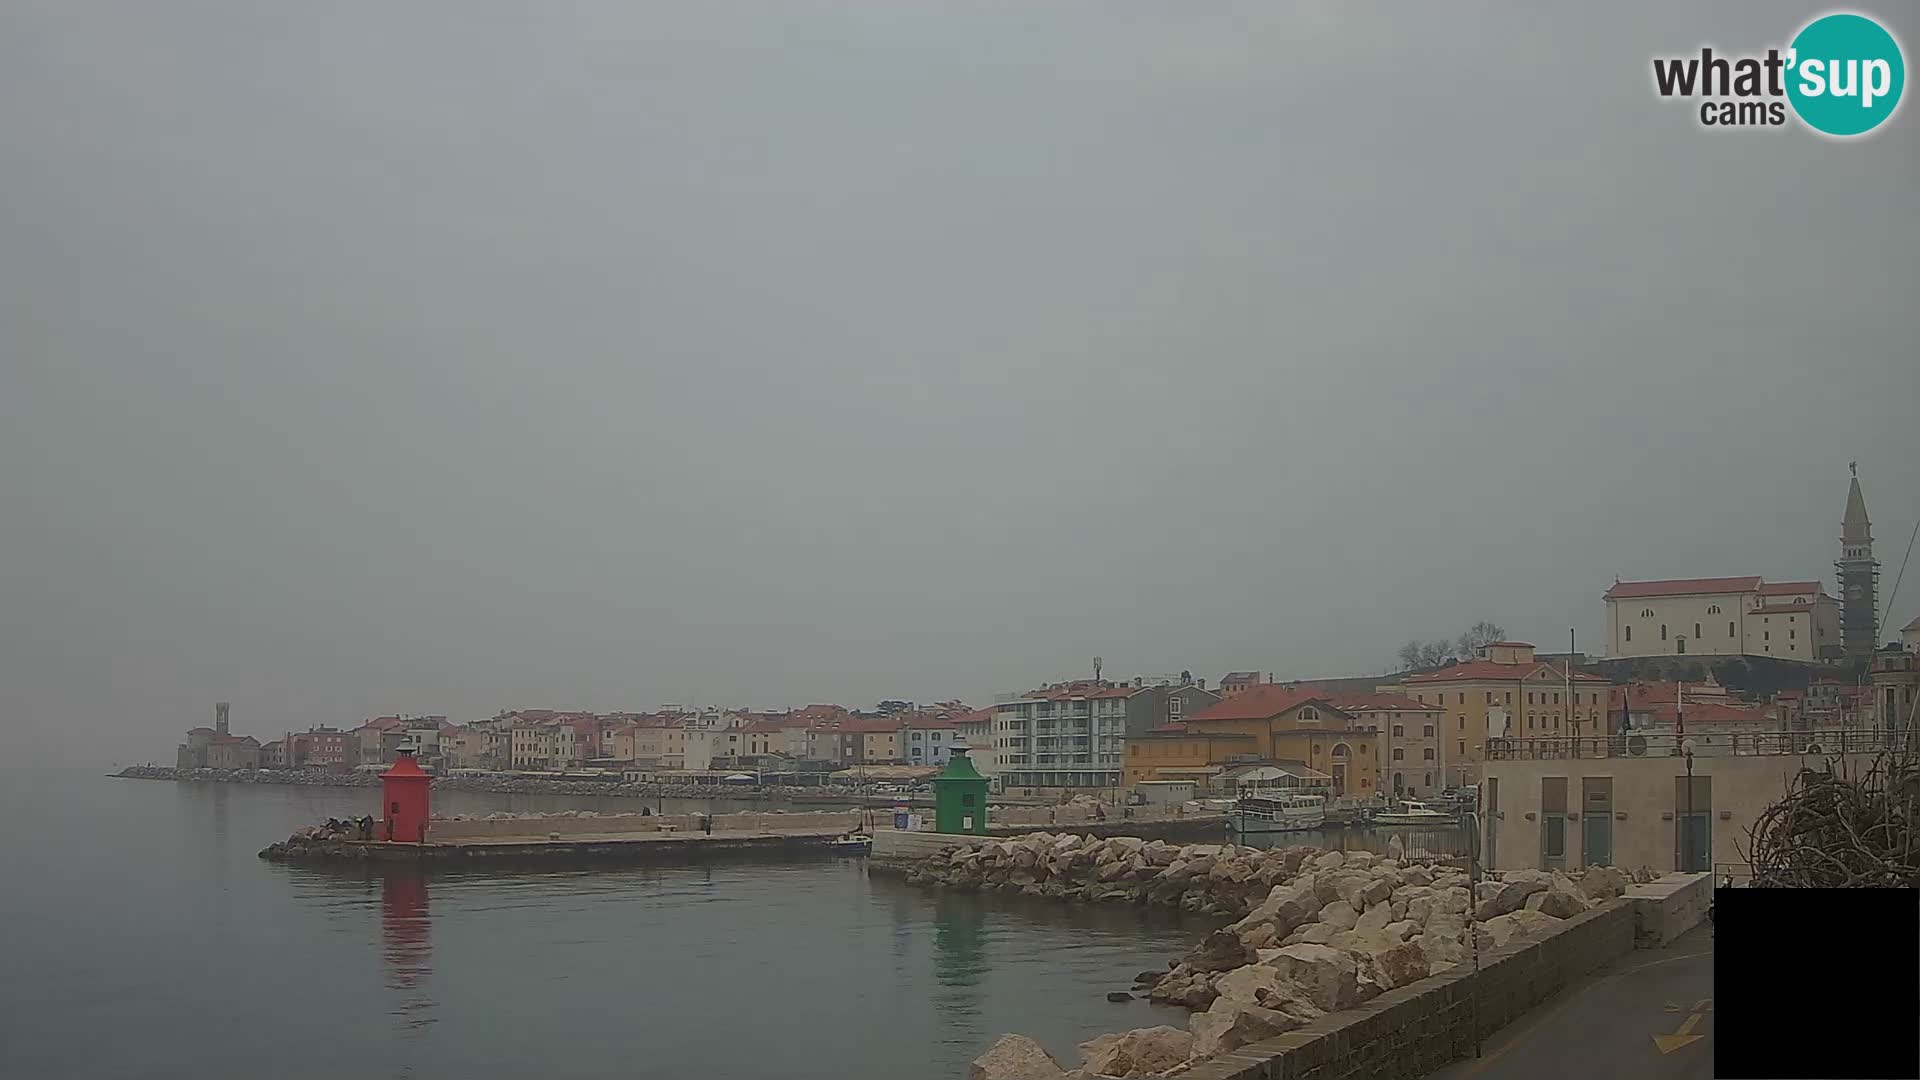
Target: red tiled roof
(1626,590)
(933,723)
(974,717)
(1479,670)
(1354,703)
(880,725)
(765,727)
(384,723)
(1259,702)
(1789,588)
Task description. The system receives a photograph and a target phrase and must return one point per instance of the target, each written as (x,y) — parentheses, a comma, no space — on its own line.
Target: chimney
(220,717)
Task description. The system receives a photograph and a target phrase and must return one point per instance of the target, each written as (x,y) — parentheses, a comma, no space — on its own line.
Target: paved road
(1647,1015)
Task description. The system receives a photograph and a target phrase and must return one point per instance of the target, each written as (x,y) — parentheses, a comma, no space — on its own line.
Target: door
(1596,821)
(1693,824)
(1553,823)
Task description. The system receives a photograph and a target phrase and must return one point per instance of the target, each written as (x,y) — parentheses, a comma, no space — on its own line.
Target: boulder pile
(1211,879)
(1318,931)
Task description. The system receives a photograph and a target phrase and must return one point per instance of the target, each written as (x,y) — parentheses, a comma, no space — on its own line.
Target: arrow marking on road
(1685,1036)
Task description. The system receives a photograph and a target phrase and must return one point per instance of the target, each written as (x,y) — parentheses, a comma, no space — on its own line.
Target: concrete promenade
(1647,1014)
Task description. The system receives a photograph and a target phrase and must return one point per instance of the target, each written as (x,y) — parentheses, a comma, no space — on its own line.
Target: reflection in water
(404,932)
(959,940)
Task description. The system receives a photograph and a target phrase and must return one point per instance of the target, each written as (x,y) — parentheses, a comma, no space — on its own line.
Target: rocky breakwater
(1212,879)
(340,841)
(1317,933)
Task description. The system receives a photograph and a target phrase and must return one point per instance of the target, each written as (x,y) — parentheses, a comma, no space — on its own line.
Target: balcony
(1703,744)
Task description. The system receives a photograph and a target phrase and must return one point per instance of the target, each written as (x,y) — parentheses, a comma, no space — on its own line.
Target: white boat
(1277,813)
(1413,813)
(852,843)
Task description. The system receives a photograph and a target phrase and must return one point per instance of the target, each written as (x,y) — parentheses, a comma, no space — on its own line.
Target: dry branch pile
(1841,828)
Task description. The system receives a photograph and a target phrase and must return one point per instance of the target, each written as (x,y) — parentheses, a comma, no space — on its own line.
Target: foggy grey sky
(436,357)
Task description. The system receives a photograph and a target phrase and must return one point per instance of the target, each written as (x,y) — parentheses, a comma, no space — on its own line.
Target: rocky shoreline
(1317,932)
(519,785)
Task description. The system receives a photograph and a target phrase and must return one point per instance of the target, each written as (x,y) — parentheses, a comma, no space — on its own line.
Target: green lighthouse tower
(960,797)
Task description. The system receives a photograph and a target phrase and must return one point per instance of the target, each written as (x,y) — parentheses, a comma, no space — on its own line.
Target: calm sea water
(145,938)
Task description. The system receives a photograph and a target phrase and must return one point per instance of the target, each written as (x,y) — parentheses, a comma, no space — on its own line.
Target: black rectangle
(1816,983)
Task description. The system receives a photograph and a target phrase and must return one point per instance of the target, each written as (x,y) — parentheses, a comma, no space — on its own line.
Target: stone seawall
(1318,934)
(1410,1031)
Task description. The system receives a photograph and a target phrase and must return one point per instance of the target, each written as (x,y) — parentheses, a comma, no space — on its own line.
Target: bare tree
(1417,654)
(1478,636)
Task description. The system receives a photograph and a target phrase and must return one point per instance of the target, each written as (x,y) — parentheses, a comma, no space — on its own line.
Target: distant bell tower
(1859,576)
(220,709)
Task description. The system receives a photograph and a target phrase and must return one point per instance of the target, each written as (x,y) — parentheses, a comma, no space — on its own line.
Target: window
(1792,634)
(1729,627)
(1463,700)
(1766,635)
(1509,697)
(916,736)
(1556,699)
(1399,754)
(1429,779)
(1712,609)
(1428,731)
(1463,723)
(1646,613)
(1399,731)
(1529,699)
(1629,633)
(1307,713)
(1663,631)
(1463,747)
(1696,629)
(1489,697)
(1428,754)
(1174,705)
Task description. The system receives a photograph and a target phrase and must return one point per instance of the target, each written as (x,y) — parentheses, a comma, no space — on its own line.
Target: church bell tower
(1859,576)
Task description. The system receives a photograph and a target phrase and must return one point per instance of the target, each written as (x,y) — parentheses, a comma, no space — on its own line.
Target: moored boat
(1411,813)
(1277,813)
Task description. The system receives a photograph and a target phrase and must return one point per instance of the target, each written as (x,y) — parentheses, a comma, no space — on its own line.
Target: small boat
(1412,813)
(852,843)
(1277,813)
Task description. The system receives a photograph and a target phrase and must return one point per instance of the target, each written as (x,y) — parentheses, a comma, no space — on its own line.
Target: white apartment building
(1069,735)
(1790,620)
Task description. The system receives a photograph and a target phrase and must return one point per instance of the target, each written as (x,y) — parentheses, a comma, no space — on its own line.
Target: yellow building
(1263,723)
(1505,693)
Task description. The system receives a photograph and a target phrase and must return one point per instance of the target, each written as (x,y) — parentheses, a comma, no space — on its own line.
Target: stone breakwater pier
(588,836)
(1337,965)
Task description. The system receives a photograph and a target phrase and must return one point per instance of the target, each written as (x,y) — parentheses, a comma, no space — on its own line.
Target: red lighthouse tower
(404,800)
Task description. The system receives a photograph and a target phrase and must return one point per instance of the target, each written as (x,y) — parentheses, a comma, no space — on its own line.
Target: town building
(975,731)
(1506,693)
(1159,702)
(1910,636)
(1409,746)
(1270,725)
(1895,679)
(929,739)
(1642,800)
(217,747)
(1858,573)
(1731,616)
(320,748)
(1236,682)
(1067,735)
